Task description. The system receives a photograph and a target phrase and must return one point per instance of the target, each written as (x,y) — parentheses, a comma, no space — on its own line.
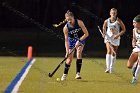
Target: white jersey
(137,35)
(113,28)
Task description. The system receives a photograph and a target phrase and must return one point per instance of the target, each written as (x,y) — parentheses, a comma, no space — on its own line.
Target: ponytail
(68,13)
(57,25)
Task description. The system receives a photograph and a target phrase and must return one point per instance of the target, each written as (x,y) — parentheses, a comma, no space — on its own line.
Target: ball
(57,79)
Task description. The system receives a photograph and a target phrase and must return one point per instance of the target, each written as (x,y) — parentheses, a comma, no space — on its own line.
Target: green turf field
(94,79)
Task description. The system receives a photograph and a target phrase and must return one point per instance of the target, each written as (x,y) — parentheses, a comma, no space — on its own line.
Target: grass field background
(94,79)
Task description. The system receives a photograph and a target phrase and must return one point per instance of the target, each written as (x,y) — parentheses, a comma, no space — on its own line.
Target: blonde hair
(68,13)
(113,9)
(57,25)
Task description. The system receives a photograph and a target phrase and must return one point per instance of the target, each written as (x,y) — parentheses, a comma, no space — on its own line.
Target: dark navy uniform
(74,34)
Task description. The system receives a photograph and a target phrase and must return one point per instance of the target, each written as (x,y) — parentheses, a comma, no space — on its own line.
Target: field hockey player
(134,59)
(75,34)
(113,28)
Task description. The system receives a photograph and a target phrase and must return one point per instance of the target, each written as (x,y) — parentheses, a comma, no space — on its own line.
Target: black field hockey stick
(134,70)
(51,74)
(108,41)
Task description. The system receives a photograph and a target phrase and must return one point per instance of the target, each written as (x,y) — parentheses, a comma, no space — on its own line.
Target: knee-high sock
(137,71)
(108,61)
(78,65)
(113,60)
(134,68)
(66,68)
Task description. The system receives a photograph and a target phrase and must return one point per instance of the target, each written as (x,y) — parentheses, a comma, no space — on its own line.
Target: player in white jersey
(134,61)
(113,28)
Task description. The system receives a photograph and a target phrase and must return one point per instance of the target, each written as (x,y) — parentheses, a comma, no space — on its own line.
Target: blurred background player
(134,59)
(75,34)
(113,28)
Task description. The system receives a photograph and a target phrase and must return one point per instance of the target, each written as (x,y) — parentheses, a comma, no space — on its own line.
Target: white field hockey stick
(107,41)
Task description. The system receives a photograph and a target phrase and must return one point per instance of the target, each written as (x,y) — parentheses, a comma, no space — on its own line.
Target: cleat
(78,76)
(134,81)
(110,72)
(106,71)
(64,76)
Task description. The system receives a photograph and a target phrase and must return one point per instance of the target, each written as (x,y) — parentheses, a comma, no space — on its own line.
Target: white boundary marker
(15,84)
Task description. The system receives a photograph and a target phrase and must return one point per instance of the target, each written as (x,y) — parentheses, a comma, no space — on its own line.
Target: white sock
(108,60)
(113,60)
(137,71)
(134,64)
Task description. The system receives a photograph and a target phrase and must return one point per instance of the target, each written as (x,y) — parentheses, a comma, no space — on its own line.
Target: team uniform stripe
(15,84)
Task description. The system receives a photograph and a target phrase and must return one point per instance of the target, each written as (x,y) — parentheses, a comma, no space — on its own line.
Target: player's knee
(78,51)
(69,60)
(129,66)
(79,57)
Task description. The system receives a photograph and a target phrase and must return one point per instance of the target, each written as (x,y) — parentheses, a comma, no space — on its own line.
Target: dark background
(29,22)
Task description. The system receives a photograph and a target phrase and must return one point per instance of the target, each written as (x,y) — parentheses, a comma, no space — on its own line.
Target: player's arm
(65,31)
(104,27)
(123,29)
(134,39)
(84,29)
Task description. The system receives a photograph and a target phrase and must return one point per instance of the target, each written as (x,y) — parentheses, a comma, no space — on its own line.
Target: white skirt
(136,49)
(115,42)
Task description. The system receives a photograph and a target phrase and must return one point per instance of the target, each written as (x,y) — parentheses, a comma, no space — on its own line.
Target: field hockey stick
(134,69)
(108,41)
(51,74)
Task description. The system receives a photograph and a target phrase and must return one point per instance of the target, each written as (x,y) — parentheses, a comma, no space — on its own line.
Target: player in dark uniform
(75,34)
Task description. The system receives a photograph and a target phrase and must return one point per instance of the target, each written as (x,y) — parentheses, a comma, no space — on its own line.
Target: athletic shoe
(110,71)
(64,76)
(107,71)
(78,76)
(134,81)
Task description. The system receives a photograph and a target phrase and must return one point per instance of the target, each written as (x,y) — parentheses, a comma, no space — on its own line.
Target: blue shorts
(72,42)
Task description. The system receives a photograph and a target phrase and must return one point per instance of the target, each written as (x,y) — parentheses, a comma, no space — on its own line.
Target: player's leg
(136,70)
(136,73)
(134,54)
(132,59)
(67,65)
(108,57)
(113,58)
(130,64)
(79,61)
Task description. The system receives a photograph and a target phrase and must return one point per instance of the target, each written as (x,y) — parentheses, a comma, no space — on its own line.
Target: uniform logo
(113,29)
(75,32)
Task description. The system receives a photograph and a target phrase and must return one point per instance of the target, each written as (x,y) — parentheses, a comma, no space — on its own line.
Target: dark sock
(78,65)
(66,68)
